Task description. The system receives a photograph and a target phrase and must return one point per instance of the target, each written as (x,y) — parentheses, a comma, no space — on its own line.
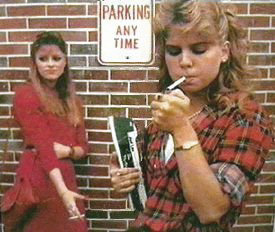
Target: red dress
(40,130)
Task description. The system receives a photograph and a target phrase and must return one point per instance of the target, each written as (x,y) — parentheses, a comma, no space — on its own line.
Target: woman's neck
(197,101)
(49,84)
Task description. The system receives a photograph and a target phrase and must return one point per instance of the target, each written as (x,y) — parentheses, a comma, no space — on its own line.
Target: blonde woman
(209,137)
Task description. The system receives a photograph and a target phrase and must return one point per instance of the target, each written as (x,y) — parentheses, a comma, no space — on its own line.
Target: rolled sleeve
(233,181)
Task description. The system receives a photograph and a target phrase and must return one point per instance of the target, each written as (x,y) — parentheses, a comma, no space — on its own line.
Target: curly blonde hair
(207,17)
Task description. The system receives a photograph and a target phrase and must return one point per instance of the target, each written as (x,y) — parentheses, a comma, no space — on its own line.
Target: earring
(224,60)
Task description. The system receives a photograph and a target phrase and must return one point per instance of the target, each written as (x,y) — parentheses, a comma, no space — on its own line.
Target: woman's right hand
(124,180)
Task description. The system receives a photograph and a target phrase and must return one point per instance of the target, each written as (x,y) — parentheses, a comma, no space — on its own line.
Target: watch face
(187,145)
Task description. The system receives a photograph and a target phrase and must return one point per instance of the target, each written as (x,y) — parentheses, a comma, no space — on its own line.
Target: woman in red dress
(49,114)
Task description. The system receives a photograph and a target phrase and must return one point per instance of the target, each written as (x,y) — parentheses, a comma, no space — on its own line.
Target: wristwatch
(187,145)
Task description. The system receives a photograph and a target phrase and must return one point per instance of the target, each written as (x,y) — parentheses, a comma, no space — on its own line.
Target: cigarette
(77,217)
(176,83)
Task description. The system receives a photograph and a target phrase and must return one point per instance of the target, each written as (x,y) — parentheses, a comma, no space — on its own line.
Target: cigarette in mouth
(176,83)
(77,217)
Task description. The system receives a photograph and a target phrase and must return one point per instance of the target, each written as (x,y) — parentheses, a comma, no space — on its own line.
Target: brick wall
(120,91)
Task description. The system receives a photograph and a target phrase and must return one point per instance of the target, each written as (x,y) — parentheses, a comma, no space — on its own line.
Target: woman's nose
(186,60)
(50,62)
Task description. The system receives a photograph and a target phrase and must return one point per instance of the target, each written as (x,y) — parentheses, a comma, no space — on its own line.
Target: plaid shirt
(235,144)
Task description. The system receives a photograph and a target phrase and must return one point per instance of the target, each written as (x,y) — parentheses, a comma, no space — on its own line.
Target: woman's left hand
(170,111)
(69,200)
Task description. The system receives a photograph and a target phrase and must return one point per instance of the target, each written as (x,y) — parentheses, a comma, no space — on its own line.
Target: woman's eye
(57,58)
(199,49)
(42,58)
(173,51)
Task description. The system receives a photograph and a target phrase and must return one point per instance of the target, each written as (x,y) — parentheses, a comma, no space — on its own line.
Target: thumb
(79,196)
(177,93)
(114,161)
(180,98)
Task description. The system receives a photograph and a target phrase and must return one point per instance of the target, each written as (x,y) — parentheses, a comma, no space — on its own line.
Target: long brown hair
(208,17)
(66,103)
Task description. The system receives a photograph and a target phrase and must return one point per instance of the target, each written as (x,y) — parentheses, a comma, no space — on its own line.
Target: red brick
(83,23)
(2,11)
(264,228)
(47,23)
(243,229)
(262,34)
(266,189)
(95,75)
(248,210)
(265,209)
(144,87)
(96,124)
(108,204)
(263,73)
(270,110)
(260,97)
(128,100)
(253,21)
(12,1)
(74,36)
(242,8)
(20,61)
(77,61)
(7,178)
(265,85)
(4,87)
(98,148)
(95,99)
(66,10)
(128,75)
(22,36)
(105,112)
(270,167)
(153,75)
(94,171)
(100,182)
(108,87)
(99,194)
(5,155)
(116,224)
(262,8)
(259,47)
(93,62)
(260,200)
(261,59)
(123,214)
(99,159)
(273,47)
(81,87)
(92,9)
(13,23)
(3,37)
(82,182)
(140,113)
(255,219)
(26,10)
(100,136)
(13,74)
(93,36)
(9,167)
